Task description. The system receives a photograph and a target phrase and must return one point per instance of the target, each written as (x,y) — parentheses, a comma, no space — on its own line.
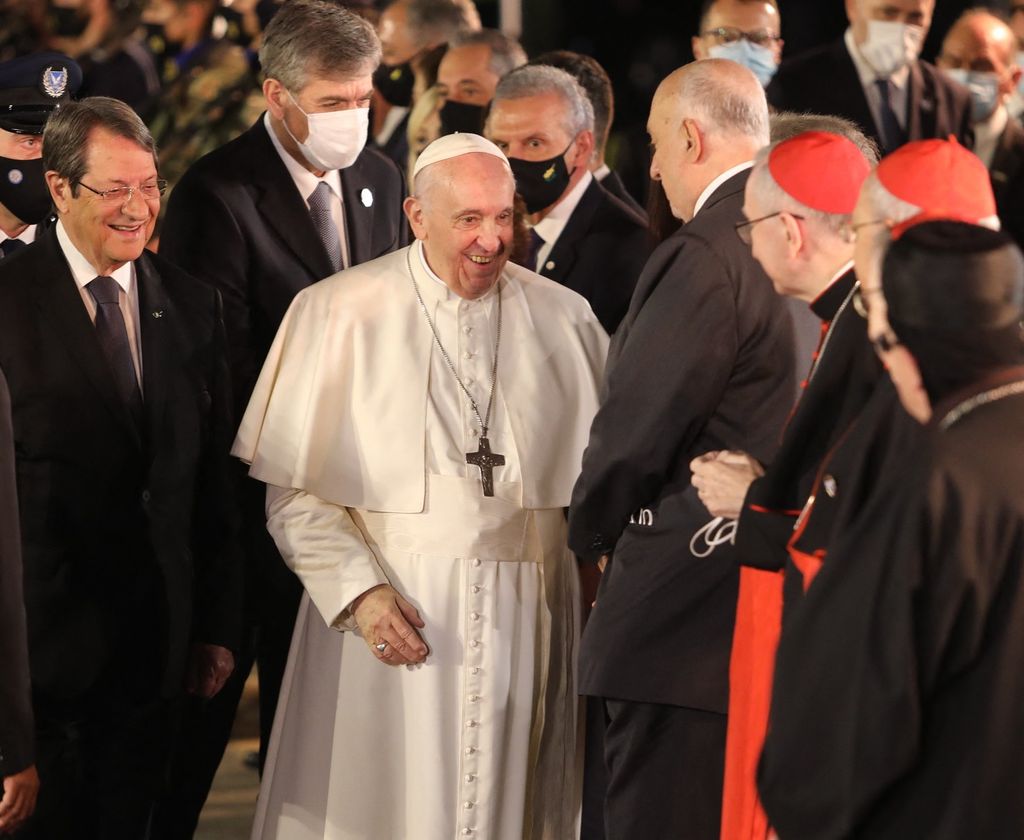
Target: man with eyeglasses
(581,235)
(31,88)
(873,76)
(798,202)
(898,681)
(293,200)
(116,363)
(979,52)
(745,31)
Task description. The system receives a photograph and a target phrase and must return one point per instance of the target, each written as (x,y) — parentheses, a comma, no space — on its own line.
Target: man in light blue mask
(979,52)
(873,76)
(744,31)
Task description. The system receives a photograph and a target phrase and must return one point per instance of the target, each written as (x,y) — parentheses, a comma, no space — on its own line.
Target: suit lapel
(566,249)
(359,198)
(921,106)
(846,77)
(60,304)
(157,329)
(282,207)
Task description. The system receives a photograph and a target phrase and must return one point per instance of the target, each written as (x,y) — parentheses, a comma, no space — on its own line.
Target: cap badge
(55,82)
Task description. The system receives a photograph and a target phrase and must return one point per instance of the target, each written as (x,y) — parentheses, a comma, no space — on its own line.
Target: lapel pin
(159,313)
(366,196)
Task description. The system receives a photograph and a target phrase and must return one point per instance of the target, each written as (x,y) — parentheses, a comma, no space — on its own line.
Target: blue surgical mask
(757,59)
(984,88)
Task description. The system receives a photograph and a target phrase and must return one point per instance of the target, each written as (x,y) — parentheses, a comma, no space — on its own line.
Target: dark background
(639,42)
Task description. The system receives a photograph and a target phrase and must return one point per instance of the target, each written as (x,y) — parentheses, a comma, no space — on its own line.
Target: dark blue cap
(34,86)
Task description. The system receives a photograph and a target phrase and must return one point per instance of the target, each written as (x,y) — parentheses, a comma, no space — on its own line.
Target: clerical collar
(714,185)
(305,181)
(83,271)
(439,289)
(826,304)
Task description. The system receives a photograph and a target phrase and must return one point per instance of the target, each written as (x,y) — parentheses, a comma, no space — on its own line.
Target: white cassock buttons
(476,562)
(475,616)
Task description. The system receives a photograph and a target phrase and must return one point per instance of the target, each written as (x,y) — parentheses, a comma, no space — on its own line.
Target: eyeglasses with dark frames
(122,195)
(744,228)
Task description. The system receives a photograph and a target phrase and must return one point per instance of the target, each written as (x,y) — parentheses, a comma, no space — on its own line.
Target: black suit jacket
(1007,173)
(237,222)
(702,361)
(16,751)
(396,147)
(600,254)
(825,81)
(128,532)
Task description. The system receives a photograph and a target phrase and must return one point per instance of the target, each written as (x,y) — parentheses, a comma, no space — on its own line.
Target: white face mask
(984,88)
(335,137)
(891,46)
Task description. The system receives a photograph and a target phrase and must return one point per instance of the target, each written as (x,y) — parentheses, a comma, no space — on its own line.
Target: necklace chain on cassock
(483,457)
(961,410)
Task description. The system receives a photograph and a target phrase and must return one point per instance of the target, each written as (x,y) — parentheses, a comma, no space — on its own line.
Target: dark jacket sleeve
(16,739)
(674,363)
(202,236)
(218,592)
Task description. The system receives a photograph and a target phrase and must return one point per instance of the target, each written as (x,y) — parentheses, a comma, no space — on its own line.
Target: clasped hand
(722,479)
(386,619)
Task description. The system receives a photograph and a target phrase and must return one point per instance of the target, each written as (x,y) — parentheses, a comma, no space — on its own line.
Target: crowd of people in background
(334,343)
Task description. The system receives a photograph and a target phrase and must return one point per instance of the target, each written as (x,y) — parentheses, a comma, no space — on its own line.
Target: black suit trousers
(101,774)
(665,769)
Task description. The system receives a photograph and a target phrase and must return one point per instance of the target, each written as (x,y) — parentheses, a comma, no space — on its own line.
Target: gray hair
(506,53)
(437,21)
(314,37)
(540,79)
(67,133)
(721,104)
(785,125)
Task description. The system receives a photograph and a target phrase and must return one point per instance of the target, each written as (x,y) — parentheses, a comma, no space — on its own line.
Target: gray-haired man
(291,201)
(581,235)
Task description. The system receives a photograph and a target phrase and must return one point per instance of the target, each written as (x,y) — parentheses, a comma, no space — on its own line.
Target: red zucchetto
(821,170)
(942,178)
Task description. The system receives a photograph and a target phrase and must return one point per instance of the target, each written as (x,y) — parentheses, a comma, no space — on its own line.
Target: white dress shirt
(898,91)
(127,293)
(26,237)
(306,183)
(987,134)
(551,226)
(721,179)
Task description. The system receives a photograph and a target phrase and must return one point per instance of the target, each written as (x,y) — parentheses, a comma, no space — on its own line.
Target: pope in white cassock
(420,422)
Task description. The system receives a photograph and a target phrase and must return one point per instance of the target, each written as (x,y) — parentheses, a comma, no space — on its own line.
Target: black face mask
(23,189)
(395,82)
(541,182)
(458,116)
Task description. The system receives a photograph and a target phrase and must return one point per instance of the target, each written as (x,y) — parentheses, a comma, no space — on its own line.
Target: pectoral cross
(486,461)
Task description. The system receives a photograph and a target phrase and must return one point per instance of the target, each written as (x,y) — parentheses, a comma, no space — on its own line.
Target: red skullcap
(942,178)
(821,170)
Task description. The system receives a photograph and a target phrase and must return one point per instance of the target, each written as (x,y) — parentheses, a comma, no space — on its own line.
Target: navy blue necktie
(536,243)
(113,336)
(892,133)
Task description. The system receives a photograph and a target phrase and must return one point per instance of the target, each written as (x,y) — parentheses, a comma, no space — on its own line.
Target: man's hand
(19,801)
(722,480)
(386,618)
(208,669)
